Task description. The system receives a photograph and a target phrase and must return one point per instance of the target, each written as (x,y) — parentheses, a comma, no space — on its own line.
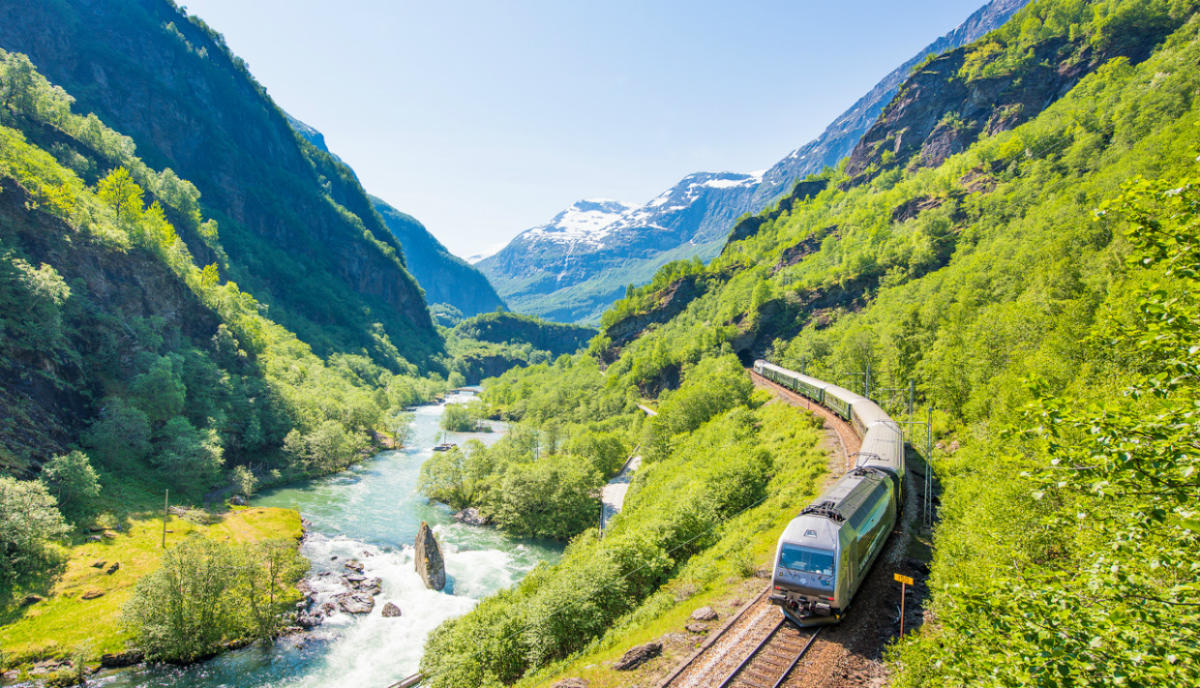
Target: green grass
(64,623)
(722,576)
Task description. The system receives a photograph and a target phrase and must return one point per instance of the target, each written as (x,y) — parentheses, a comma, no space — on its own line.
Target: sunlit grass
(65,624)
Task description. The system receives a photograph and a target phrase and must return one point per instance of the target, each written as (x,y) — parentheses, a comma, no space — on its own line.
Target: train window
(808,560)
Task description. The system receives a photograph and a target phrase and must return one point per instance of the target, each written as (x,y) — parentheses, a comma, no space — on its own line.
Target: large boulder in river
(428,559)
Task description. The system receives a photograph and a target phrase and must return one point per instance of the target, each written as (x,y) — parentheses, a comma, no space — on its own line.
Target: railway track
(769,664)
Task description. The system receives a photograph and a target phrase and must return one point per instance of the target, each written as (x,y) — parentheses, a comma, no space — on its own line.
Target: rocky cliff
(446,278)
(946,105)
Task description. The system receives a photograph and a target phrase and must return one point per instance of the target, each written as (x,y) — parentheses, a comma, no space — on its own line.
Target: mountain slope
(446,278)
(574,277)
(113,340)
(298,229)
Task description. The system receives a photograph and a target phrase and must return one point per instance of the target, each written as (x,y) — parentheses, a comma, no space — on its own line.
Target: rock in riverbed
(391,610)
(471,517)
(428,559)
(355,602)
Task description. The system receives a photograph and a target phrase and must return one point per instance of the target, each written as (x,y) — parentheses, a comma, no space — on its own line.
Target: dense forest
(1029,268)
(488,344)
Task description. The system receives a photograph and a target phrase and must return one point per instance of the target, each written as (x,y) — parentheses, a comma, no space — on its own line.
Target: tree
(206,593)
(183,610)
(271,566)
(72,481)
(459,418)
(28,520)
(552,498)
(244,480)
(458,477)
(187,457)
(122,433)
(121,193)
(160,391)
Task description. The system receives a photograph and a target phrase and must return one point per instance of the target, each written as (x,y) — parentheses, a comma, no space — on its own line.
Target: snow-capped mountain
(575,266)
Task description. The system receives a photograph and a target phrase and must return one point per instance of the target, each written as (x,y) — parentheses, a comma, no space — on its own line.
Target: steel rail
(762,645)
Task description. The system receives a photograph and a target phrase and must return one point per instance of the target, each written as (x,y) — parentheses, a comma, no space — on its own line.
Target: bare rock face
(428,559)
(637,656)
(571,683)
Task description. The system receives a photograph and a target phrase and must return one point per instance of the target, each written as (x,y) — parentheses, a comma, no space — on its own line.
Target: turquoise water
(372,513)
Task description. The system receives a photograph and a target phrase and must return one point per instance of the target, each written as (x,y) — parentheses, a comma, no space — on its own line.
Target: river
(371,513)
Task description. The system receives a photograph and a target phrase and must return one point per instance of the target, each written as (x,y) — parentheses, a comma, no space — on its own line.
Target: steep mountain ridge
(573,277)
(298,228)
(445,278)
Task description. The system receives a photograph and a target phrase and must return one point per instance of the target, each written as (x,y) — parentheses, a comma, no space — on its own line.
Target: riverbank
(79,616)
(369,513)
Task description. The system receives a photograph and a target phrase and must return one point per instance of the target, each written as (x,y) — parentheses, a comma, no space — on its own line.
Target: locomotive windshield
(815,561)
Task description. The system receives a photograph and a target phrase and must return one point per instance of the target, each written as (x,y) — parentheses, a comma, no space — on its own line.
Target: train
(825,553)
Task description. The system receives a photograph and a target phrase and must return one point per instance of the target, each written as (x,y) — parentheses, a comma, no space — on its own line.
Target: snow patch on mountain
(588,221)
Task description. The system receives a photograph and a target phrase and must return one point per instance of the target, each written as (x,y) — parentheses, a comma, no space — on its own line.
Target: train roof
(847,495)
(810,530)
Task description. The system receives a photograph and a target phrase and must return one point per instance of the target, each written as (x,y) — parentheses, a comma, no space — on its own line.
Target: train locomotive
(826,552)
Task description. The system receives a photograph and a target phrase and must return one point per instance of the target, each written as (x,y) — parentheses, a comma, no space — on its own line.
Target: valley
(262,427)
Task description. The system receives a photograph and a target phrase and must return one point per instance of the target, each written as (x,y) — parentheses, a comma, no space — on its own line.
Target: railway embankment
(847,654)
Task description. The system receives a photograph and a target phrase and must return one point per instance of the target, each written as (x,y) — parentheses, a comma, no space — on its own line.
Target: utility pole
(929,466)
(166,511)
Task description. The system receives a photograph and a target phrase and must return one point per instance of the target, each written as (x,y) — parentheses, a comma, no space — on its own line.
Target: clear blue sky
(485,118)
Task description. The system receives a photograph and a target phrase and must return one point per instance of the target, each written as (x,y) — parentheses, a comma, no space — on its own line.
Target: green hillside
(116,341)
(1031,269)
(299,231)
(491,343)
